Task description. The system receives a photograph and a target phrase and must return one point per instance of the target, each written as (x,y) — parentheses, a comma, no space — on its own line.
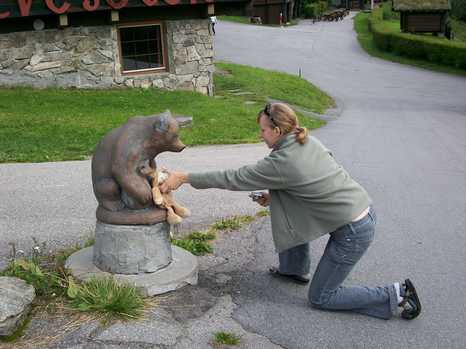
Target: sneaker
(300,279)
(410,304)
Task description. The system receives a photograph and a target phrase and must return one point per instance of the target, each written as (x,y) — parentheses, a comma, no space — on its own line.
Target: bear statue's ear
(162,122)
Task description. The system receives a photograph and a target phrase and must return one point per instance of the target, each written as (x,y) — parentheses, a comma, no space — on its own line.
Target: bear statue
(124,194)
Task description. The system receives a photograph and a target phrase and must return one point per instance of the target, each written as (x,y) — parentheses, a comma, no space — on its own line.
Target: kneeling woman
(311,195)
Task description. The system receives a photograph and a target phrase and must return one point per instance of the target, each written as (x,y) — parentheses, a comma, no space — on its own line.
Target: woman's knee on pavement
(319,298)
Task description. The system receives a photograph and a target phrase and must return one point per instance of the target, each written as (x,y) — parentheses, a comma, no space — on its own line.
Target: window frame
(163,42)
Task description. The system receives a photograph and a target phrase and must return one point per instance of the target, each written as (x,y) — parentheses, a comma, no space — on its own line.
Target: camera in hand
(256,195)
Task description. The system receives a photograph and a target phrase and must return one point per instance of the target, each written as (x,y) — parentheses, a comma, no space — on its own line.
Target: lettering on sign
(62,6)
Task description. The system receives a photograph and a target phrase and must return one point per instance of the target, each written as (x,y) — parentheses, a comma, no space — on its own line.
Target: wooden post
(63,20)
(114,16)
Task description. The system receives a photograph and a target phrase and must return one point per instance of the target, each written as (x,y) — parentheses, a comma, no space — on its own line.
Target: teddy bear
(175,212)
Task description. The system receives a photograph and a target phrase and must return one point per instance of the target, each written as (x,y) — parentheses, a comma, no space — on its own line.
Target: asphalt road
(401,133)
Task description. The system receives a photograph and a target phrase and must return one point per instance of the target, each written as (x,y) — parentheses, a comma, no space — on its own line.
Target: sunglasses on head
(267,111)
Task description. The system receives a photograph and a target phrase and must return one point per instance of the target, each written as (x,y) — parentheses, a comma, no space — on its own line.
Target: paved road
(401,134)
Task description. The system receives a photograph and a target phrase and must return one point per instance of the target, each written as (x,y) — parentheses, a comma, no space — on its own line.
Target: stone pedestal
(140,255)
(180,272)
(132,249)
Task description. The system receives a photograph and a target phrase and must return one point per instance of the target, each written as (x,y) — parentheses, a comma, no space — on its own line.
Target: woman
(311,195)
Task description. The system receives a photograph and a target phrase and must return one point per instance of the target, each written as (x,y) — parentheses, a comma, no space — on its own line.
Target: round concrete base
(181,271)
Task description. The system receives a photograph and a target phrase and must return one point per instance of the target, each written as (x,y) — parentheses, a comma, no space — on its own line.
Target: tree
(458,9)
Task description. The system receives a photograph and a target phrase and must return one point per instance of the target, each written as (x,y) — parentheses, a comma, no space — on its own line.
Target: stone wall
(87,57)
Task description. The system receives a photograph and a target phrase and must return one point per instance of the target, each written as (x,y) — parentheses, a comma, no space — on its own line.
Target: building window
(141,48)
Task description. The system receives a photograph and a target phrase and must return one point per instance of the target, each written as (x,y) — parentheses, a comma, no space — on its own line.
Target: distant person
(448,29)
(213,22)
(311,195)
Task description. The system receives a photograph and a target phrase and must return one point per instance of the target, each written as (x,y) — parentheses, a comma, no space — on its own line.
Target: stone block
(188,42)
(192,54)
(44,66)
(94,58)
(203,80)
(16,297)
(36,59)
(132,249)
(202,89)
(187,68)
(158,83)
(23,52)
(145,84)
(99,69)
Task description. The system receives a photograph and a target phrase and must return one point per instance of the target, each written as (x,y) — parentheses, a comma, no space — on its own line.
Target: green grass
(66,124)
(236,19)
(263,213)
(232,223)
(226,338)
(46,283)
(197,242)
(361,22)
(265,83)
(459,30)
(108,297)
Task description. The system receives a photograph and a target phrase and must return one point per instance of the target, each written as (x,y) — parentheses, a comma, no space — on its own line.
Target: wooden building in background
(273,11)
(422,16)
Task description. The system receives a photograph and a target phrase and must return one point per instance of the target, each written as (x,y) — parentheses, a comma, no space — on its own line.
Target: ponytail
(301,134)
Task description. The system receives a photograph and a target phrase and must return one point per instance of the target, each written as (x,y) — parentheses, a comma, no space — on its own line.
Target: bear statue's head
(165,133)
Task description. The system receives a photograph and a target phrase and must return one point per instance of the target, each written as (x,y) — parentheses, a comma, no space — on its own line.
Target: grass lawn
(365,40)
(66,124)
(237,19)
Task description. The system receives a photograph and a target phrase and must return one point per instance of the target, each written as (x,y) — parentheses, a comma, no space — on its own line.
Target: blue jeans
(345,247)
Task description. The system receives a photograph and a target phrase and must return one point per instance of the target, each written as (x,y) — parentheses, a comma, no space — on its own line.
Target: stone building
(108,43)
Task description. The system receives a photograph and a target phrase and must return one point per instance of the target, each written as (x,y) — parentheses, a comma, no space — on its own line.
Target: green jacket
(311,194)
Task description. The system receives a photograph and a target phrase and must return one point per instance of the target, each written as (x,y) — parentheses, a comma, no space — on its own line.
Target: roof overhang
(421,5)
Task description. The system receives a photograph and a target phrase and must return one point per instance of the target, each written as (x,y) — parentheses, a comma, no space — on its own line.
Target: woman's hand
(174,181)
(264,200)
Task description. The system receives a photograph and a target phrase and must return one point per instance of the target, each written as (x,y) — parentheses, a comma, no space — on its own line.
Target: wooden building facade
(106,43)
(422,16)
(273,11)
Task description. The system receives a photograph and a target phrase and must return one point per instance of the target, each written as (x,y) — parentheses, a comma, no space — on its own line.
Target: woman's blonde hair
(282,116)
